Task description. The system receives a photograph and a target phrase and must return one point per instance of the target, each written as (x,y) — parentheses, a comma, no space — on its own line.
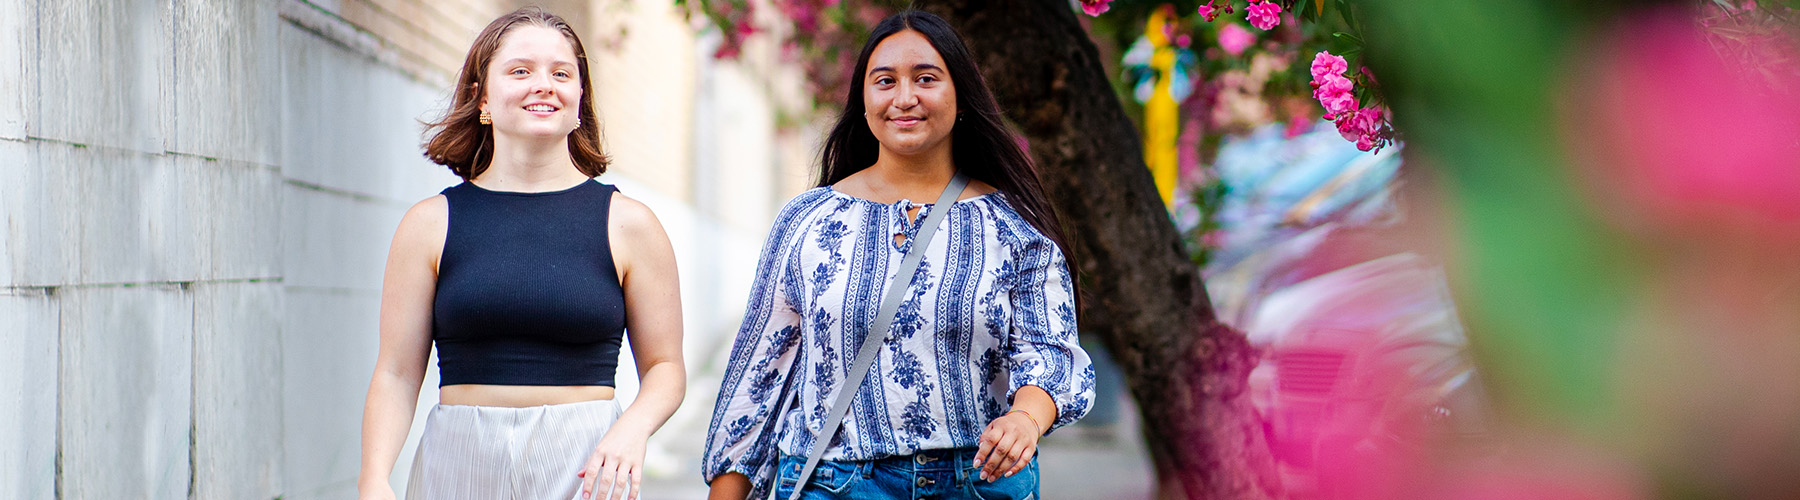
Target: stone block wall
(196,202)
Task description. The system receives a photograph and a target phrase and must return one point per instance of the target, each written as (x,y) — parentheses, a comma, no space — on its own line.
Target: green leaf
(1348,36)
(1349,17)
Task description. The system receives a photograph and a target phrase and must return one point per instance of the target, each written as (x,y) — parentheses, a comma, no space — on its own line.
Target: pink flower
(1338,105)
(1095,7)
(1326,64)
(1362,126)
(1335,92)
(1208,13)
(805,18)
(1332,85)
(1263,15)
(1347,128)
(1234,39)
(1711,154)
(1370,119)
(727,50)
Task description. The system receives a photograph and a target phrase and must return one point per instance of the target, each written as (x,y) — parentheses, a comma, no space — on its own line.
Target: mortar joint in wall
(47,291)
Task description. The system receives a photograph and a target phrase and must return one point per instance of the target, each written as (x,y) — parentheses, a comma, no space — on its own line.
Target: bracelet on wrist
(1034,420)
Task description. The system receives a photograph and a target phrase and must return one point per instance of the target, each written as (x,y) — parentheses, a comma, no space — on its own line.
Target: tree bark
(1187,371)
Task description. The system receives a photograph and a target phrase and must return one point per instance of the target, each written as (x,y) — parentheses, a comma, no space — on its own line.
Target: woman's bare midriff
(520,396)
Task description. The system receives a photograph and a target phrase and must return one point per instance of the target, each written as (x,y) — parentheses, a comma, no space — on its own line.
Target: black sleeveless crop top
(527,293)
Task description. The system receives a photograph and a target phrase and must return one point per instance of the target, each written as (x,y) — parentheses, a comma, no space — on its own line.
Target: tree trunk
(1187,371)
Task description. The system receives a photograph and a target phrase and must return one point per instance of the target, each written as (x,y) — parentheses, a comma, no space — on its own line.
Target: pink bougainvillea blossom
(1263,15)
(1370,119)
(1331,85)
(805,15)
(1715,154)
(1337,105)
(1347,128)
(733,43)
(1095,7)
(1367,127)
(1234,38)
(1208,13)
(1327,64)
(1364,127)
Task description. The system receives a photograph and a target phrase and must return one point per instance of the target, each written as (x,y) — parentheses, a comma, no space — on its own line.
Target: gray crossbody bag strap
(884,318)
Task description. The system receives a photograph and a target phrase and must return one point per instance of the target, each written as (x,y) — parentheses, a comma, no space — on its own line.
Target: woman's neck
(530,167)
(927,171)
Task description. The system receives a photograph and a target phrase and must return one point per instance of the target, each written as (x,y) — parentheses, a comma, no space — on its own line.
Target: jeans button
(925,481)
(921,459)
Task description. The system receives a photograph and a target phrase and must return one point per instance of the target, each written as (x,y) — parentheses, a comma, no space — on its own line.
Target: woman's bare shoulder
(632,216)
(424,226)
(428,213)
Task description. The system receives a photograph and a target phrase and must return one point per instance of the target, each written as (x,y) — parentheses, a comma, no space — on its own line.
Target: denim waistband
(923,460)
(930,460)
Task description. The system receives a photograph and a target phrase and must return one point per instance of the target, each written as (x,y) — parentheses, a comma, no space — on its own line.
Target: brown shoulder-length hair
(461,142)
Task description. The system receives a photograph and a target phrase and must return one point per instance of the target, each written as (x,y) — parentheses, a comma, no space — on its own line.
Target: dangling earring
(485,118)
(577,122)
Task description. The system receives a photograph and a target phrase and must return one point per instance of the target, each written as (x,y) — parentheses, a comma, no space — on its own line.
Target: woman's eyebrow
(528,61)
(916,67)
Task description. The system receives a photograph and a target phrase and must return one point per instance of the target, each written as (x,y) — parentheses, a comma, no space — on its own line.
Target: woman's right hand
(729,486)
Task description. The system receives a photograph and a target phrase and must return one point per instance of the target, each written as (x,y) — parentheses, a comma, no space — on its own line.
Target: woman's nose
(906,98)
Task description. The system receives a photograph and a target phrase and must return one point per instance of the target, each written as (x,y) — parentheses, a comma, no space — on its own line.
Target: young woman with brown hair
(526,277)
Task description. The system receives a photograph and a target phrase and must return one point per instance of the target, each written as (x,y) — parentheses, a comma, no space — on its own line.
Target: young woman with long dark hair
(982,356)
(526,276)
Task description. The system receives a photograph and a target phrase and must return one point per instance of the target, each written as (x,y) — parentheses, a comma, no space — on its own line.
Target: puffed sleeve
(742,436)
(1044,348)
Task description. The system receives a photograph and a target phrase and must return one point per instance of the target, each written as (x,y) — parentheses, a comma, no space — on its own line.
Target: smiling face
(909,98)
(533,85)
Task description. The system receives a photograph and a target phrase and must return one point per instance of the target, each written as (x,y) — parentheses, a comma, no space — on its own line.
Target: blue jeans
(930,474)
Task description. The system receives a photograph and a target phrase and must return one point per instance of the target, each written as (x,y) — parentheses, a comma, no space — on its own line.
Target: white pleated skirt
(500,453)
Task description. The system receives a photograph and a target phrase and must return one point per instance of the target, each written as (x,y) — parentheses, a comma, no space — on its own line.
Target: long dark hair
(461,142)
(980,143)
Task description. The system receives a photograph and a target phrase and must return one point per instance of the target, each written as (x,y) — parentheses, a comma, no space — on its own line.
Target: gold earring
(485,118)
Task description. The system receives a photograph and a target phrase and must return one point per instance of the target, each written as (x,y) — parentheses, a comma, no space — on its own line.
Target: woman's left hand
(1006,446)
(617,467)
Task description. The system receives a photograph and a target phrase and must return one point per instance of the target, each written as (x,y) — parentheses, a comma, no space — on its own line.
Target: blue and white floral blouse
(990,310)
